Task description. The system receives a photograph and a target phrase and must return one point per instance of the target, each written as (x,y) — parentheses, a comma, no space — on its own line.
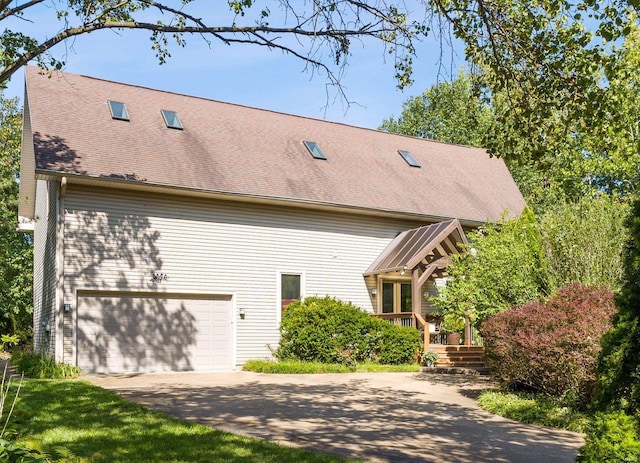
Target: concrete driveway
(399,417)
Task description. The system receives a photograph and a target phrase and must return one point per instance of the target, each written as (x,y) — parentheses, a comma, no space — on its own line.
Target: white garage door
(151,333)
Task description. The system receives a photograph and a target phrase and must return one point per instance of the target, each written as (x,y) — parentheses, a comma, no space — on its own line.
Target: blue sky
(246,75)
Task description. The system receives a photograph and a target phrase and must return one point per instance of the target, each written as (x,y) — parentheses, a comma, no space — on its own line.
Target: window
(118,110)
(396,296)
(407,156)
(171,119)
(290,289)
(315,150)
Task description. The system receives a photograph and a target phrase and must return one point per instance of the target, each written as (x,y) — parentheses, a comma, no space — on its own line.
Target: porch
(467,355)
(405,275)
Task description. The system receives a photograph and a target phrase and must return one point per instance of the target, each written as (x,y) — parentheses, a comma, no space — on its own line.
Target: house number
(159,277)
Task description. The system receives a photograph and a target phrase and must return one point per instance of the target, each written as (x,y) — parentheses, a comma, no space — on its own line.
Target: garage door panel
(130,333)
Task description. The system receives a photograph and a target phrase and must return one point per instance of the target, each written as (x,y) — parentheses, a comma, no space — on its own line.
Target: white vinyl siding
(116,241)
(44,268)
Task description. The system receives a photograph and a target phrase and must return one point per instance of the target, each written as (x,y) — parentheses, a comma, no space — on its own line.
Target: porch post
(467,331)
(416,302)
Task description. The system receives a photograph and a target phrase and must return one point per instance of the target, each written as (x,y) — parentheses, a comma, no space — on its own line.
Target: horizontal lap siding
(115,241)
(44,268)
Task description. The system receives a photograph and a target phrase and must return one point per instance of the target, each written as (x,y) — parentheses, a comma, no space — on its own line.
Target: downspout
(59,346)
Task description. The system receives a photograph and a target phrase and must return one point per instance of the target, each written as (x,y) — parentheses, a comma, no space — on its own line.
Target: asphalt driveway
(399,417)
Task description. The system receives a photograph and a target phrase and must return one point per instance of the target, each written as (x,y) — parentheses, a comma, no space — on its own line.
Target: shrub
(328,330)
(611,437)
(41,366)
(551,347)
(619,366)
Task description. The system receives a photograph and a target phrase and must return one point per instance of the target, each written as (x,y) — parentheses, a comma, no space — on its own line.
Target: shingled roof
(252,153)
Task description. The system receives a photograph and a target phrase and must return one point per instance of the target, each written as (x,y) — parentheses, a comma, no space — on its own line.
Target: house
(170,230)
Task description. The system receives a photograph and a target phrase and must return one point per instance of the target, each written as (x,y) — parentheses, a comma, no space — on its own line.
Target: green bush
(40,366)
(328,330)
(612,437)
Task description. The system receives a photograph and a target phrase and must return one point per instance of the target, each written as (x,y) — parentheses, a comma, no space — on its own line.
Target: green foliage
(551,347)
(619,366)
(40,366)
(583,242)
(327,330)
(538,409)
(452,323)
(505,266)
(8,340)
(524,260)
(448,112)
(74,421)
(16,254)
(11,453)
(295,367)
(613,436)
(299,367)
(429,358)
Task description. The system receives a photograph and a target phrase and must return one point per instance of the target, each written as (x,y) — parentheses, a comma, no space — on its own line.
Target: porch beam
(426,274)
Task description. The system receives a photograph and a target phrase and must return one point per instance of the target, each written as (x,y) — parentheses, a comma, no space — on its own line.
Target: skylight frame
(171,119)
(119,115)
(314,150)
(409,158)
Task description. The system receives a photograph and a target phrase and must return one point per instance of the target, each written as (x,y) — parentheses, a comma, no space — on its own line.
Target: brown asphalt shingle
(240,150)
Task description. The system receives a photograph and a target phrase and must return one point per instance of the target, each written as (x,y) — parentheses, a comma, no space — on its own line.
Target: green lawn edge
(535,409)
(298,367)
(75,421)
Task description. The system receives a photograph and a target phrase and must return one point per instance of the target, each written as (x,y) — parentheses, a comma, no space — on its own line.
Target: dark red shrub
(551,347)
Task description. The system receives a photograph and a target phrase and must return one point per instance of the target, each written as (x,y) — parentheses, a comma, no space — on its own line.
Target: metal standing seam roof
(250,153)
(410,247)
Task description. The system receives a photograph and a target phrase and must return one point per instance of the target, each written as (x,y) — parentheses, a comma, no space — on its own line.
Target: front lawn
(74,421)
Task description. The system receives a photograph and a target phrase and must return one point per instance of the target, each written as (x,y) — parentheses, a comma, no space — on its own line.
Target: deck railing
(418,322)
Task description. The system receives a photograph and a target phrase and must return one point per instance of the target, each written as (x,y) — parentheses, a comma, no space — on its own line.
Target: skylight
(315,150)
(171,119)
(407,156)
(118,110)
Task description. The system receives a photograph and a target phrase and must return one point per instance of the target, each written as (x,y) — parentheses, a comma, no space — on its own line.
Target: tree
(504,266)
(301,29)
(583,242)
(525,259)
(619,367)
(549,61)
(448,111)
(15,248)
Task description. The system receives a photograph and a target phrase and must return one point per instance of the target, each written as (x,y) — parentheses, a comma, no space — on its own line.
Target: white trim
(303,294)
(59,301)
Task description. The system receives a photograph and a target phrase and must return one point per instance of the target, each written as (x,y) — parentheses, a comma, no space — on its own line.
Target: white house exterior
(161,249)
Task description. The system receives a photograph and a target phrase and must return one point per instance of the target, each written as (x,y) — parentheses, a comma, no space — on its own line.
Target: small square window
(171,119)
(118,110)
(315,150)
(407,156)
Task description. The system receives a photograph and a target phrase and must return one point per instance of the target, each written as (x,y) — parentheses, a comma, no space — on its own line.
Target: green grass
(299,367)
(74,421)
(40,366)
(534,409)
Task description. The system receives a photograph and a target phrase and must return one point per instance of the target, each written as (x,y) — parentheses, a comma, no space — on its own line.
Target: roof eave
(128,184)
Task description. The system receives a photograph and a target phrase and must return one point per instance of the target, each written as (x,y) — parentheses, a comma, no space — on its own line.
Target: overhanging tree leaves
(302,29)
(15,248)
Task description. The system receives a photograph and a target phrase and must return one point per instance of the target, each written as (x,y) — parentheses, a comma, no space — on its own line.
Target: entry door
(396,296)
